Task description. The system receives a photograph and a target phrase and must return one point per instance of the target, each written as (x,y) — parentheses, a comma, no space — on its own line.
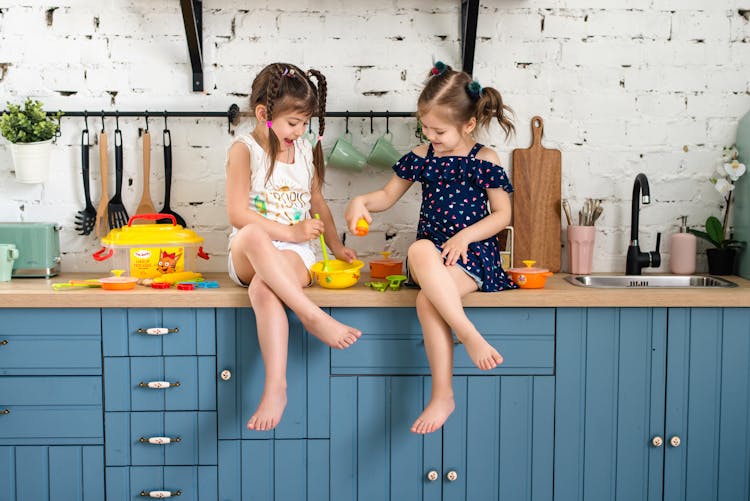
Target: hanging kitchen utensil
(536,202)
(86,218)
(101,211)
(118,215)
(146,206)
(168,180)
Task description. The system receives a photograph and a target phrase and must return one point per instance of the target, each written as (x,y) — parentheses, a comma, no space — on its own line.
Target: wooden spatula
(147,205)
(102,223)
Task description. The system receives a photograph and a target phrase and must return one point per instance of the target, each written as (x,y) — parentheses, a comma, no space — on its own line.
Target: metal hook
(347,122)
(165,120)
(146,114)
(117,120)
(102,121)
(86,119)
(59,124)
(371,128)
(387,126)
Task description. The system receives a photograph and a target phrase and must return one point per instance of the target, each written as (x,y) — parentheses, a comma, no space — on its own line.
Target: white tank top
(285,198)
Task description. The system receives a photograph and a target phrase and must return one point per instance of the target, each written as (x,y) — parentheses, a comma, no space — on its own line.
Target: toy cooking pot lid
(386,259)
(529,277)
(151,234)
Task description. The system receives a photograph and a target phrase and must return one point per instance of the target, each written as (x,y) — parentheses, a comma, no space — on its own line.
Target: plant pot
(31,161)
(722,261)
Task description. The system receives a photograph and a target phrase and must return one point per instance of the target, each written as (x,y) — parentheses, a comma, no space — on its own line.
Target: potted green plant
(30,132)
(722,257)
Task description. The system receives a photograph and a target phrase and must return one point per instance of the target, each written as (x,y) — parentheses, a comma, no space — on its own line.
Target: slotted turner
(118,215)
(86,218)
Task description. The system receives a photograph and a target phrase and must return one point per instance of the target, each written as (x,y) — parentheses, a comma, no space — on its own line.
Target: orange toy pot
(529,277)
(381,268)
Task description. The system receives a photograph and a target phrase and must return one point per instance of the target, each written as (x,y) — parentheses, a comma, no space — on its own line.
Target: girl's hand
(345,254)
(305,230)
(355,211)
(454,248)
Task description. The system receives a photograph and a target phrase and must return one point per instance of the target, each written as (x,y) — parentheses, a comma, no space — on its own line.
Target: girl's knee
(420,249)
(249,234)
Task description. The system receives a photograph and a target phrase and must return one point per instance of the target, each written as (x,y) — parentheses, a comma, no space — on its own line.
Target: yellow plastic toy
(362,228)
(339,274)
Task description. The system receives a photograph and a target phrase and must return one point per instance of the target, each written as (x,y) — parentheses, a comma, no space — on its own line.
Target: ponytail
(490,105)
(272,94)
(318,159)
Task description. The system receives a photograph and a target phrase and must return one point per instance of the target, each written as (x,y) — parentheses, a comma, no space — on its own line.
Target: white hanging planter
(31,161)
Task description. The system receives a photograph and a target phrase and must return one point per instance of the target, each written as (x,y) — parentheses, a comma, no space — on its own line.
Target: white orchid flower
(728,153)
(722,186)
(735,169)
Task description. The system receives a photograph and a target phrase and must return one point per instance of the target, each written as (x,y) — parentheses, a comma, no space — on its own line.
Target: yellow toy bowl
(339,275)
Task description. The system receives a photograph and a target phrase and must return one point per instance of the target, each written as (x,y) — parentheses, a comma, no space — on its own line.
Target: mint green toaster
(38,247)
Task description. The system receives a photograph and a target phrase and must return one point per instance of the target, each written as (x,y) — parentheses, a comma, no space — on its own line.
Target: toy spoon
(323,246)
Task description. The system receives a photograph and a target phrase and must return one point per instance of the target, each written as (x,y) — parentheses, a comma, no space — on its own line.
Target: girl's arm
(319,205)
(240,214)
(376,201)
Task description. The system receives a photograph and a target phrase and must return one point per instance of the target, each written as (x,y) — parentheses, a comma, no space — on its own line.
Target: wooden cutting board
(536,202)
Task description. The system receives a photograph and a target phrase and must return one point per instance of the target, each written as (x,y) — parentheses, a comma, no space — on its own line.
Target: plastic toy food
(362,228)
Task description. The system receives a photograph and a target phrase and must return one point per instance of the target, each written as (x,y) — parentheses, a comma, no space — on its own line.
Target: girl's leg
(438,344)
(273,338)
(254,253)
(444,286)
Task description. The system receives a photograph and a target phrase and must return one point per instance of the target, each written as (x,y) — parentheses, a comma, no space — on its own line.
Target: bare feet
(269,411)
(332,332)
(434,415)
(481,352)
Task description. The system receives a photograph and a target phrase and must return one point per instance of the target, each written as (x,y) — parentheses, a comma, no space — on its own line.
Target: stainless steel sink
(649,281)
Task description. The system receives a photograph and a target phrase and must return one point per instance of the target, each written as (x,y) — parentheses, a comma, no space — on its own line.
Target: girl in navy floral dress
(465,204)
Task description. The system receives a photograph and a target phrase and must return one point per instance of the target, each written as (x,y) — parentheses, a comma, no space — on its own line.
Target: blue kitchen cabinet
(652,404)
(497,444)
(51,420)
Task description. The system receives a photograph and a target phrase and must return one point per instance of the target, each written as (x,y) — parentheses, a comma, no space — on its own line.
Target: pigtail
(272,94)
(318,159)
(490,105)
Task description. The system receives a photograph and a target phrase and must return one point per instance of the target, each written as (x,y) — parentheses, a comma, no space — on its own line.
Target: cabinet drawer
(156,332)
(50,410)
(41,342)
(132,383)
(391,341)
(194,483)
(192,438)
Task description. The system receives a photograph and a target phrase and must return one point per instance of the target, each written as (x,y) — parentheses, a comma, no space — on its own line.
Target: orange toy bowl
(529,277)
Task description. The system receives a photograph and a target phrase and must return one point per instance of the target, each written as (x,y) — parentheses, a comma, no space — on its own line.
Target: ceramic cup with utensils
(345,156)
(8,254)
(581,249)
(383,154)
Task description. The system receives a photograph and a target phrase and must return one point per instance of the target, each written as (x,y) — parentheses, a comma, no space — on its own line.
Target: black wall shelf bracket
(469,17)
(192,17)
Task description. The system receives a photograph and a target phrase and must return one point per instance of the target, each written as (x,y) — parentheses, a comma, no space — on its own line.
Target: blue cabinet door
(610,387)
(240,384)
(70,473)
(273,470)
(708,405)
(498,441)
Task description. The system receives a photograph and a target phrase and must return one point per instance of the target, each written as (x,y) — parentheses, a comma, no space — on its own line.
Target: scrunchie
(474,89)
(438,69)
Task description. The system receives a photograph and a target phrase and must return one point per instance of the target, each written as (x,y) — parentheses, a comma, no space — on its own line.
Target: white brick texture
(624,86)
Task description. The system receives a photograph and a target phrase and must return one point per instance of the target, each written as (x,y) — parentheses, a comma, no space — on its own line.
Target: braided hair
(464,98)
(282,87)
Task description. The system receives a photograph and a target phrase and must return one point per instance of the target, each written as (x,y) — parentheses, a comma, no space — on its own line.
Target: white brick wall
(624,86)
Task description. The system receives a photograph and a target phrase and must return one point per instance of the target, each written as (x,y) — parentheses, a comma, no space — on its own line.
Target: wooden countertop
(38,293)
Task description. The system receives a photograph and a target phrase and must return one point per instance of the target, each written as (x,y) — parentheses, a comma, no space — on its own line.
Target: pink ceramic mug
(581,249)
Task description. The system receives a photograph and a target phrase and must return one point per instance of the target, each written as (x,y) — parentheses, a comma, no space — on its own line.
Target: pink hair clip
(320,138)
(269,123)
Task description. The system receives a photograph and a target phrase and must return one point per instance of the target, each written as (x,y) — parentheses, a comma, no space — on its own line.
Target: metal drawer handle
(5,411)
(159,440)
(157,331)
(3,342)
(160,494)
(158,385)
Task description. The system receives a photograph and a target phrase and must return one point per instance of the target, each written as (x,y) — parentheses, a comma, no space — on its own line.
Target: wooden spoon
(147,205)
(102,223)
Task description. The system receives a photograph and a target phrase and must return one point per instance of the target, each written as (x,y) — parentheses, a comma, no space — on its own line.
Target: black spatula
(168,182)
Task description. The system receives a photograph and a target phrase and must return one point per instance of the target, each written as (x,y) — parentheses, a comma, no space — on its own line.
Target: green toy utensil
(323,246)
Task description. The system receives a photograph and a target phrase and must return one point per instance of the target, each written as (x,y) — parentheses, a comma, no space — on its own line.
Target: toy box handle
(98,254)
(152,217)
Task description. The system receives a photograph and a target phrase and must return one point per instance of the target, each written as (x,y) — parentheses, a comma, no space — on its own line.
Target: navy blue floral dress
(454,196)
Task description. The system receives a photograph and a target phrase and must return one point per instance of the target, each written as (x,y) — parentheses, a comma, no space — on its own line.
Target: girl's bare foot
(270,409)
(331,331)
(481,352)
(434,415)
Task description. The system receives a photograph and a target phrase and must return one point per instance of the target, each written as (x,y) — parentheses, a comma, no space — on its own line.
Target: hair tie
(474,89)
(320,138)
(269,123)
(439,68)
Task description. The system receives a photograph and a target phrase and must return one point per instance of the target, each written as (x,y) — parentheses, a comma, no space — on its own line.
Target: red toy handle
(98,254)
(152,217)
(202,253)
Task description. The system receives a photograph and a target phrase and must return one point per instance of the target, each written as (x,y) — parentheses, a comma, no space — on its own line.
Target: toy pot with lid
(529,277)
(381,268)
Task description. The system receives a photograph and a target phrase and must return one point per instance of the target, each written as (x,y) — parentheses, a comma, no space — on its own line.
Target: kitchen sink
(649,281)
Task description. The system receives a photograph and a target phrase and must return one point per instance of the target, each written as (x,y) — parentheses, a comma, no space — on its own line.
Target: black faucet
(637,259)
